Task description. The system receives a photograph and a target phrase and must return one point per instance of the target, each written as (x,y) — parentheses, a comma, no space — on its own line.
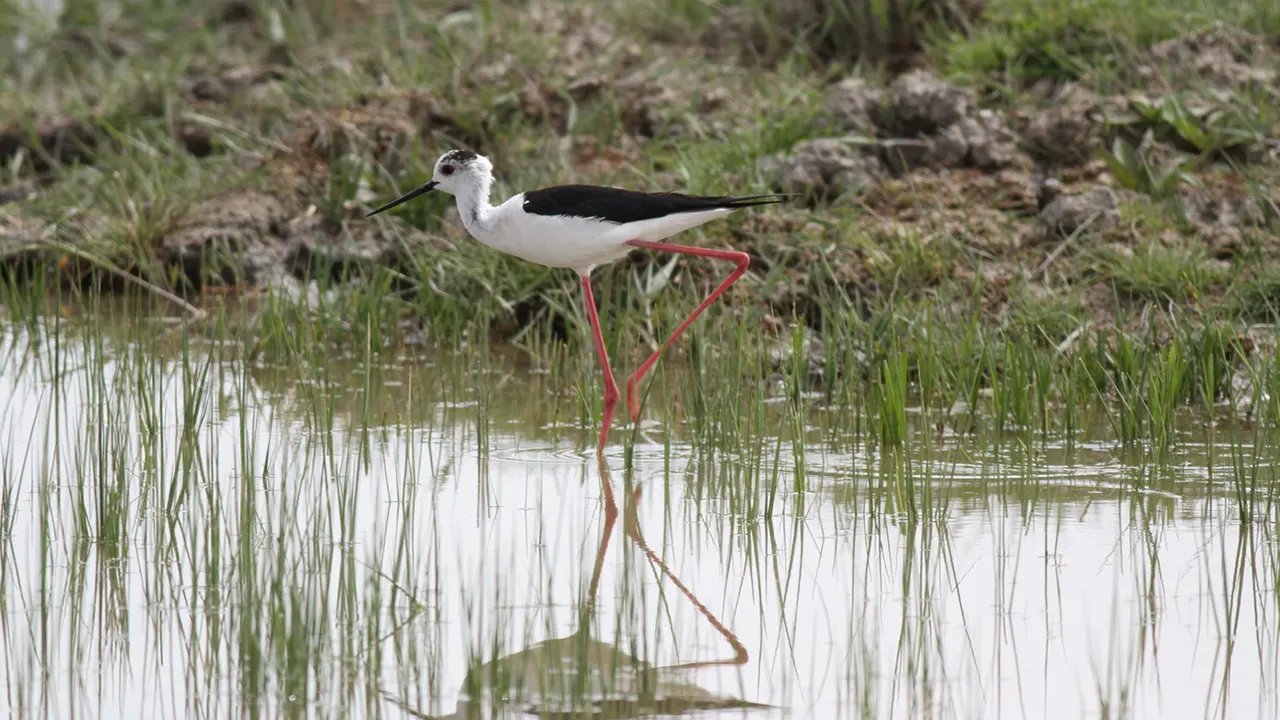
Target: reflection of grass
(199,465)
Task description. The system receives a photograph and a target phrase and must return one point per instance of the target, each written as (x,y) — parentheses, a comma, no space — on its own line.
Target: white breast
(571,242)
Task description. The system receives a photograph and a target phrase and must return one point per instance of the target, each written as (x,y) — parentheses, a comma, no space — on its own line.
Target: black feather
(624,206)
(462,157)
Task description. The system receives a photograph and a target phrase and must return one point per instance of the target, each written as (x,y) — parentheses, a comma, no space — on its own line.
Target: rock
(920,103)
(852,105)
(1094,210)
(1067,132)
(825,167)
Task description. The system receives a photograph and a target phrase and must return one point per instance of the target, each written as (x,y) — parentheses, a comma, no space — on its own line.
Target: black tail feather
(753,200)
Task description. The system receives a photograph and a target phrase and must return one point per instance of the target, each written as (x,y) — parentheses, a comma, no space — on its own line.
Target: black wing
(625,206)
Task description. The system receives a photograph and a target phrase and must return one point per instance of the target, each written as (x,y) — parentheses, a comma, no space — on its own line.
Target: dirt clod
(981,140)
(824,168)
(1094,210)
(852,105)
(1217,212)
(921,104)
(1067,131)
(197,139)
(18,250)
(382,128)
(1219,54)
(351,252)
(234,237)
(991,144)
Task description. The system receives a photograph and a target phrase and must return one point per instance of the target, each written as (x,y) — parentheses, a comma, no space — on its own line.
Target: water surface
(190,533)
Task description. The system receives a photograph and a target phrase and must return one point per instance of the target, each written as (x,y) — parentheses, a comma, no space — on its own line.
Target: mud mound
(825,168)
(853,105)
(236,237)
(919,122)
(351,251)
(1219,55)
(1067,130)
(18,251)
(1093,211)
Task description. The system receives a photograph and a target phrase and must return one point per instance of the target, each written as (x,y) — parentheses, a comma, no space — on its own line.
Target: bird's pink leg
(742,260)
(610,386)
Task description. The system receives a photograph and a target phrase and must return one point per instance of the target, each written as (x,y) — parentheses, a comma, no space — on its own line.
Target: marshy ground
(991,427)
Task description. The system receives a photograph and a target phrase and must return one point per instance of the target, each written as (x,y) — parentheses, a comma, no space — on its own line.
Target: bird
(580,227)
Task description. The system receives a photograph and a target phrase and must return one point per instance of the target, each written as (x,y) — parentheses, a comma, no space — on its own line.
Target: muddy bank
(910,184)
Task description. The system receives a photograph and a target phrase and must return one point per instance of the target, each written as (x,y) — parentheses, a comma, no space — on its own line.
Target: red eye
(446,170)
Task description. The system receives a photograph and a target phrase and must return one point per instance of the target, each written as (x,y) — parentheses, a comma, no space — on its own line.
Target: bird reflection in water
(582,678)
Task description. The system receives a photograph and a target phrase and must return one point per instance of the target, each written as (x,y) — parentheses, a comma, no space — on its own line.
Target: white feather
(574,242)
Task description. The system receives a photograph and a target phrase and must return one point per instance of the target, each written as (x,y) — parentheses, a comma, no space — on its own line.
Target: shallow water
(189,534)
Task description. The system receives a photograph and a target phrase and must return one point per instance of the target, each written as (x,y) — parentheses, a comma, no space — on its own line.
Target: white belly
(576,243)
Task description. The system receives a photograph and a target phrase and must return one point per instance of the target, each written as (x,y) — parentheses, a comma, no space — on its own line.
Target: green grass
(839,33)
(1024,41)
(1160,273)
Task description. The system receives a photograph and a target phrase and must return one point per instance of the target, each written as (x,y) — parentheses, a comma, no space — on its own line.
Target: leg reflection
(632,528)
(580,675)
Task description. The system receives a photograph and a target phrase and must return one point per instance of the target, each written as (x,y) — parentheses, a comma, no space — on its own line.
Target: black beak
(420,190)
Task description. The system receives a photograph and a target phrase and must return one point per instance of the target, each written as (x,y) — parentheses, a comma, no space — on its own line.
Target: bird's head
(456,172)
(459,170)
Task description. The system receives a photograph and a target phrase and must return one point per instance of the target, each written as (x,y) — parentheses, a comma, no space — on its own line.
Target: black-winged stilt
(582,226)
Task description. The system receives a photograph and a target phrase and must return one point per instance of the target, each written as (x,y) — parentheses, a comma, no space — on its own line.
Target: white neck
(474,207)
